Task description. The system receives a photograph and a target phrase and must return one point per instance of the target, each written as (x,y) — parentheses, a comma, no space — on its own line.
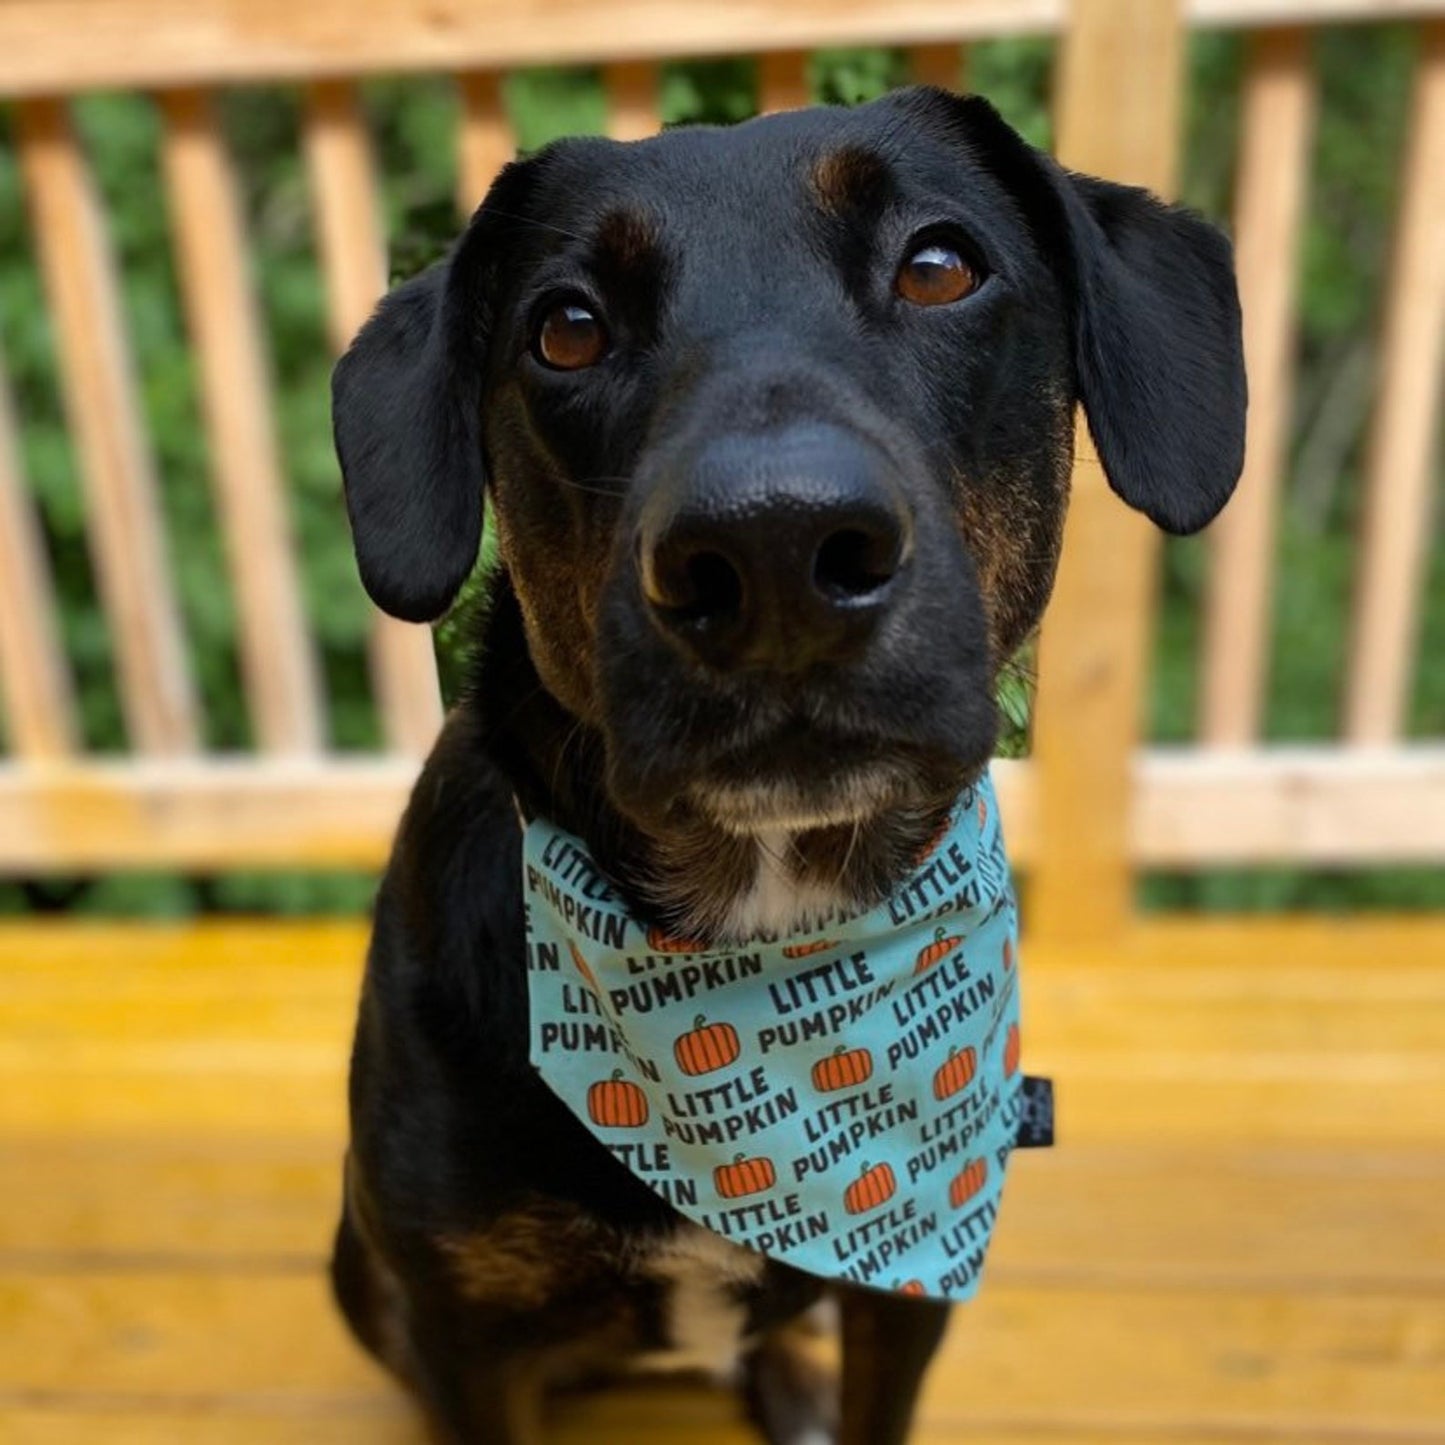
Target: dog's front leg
(473,1389)
(888,1341)
(485,1407)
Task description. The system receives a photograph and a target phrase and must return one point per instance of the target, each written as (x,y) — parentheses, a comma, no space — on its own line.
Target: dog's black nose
(777,550)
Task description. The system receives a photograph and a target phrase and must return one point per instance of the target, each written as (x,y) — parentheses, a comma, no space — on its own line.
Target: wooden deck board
(1042,1357)
(1286,1033)
(1285,1216)
(52,1427)
(1240,1238)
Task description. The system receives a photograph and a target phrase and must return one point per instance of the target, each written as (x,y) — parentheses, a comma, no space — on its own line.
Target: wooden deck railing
(1088,808)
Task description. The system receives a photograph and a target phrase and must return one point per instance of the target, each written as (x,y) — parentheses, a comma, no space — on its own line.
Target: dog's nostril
(703,586)
(717,590)
(852,564)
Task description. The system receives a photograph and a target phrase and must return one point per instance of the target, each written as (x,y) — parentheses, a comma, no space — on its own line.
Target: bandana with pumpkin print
(844,1101)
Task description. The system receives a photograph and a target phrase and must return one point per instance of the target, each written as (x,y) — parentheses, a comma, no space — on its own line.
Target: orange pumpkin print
(909,1286)
(844,1068)
(955,1073)
(581,965)
(707,1047)
(943,944)
(806,950)
(934,843)
(617,1103)
(1008,953)
(744,1176)
(872,1189)
(967,1182)
(982,811)
(660,941)
(1011,1050)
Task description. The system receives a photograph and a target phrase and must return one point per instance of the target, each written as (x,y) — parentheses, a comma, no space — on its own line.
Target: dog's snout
(775,551)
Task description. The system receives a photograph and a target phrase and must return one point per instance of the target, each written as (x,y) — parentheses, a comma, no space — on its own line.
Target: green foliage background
(1364,76)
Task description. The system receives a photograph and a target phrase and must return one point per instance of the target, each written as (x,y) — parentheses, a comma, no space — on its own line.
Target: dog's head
(776,425)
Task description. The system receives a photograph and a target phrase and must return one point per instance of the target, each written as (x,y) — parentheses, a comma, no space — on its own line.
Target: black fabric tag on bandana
(1036,1114)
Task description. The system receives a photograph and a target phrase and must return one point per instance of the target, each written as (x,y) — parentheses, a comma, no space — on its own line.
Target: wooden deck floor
(1241,1237)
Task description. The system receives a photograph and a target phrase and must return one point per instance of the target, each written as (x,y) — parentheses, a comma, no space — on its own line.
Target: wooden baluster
(34,680)
(1277,127)
(783,81)
(1118,110)
(632,100)
(277,661)
(353,256)
(486,142)
(126,532)
(942,65)
(1405,428)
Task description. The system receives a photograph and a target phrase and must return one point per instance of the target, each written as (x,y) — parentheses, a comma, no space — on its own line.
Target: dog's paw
(792,1390)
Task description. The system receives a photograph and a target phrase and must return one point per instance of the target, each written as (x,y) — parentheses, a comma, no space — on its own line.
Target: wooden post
(353,257)
(632,100)
(486,142)
(1399,475)
(942,65)
(34,680)
(1117,112)
(278,665)
(122,492)
(783,81)
(1274,162)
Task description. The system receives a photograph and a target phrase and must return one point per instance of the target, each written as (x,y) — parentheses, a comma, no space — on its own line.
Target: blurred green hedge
(1364,78)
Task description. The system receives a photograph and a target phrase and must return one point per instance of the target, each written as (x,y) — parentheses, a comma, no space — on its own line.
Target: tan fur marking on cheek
(993,545)
(1013,535)
(560,624)
(559,611)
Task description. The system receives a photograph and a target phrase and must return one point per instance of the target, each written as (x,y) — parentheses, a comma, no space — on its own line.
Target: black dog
(775,423)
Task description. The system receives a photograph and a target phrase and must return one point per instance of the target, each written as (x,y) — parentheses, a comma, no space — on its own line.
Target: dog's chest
(704,1281)
(776,903)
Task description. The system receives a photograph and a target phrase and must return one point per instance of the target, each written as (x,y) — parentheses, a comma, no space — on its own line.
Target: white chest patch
(705,1321)
(777,904)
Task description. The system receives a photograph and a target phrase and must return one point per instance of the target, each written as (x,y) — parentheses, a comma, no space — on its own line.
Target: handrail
(64,46)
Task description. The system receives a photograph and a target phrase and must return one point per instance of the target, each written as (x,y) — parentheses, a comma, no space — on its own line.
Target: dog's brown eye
(934,275)
(571,337)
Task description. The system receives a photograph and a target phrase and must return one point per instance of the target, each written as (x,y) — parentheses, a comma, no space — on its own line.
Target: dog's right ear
(406,415)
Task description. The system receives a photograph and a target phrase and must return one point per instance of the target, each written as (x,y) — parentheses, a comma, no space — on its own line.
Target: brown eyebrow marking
(627,245)
(850,179)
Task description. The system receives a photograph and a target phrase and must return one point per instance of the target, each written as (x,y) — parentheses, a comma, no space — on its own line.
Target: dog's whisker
(779,855)
(854,834)
(592,485)
(493,210)
(519,706)
(574,733)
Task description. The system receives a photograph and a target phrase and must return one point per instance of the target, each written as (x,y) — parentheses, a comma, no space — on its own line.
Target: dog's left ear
(1158,356)
(1157,349)
(406,415)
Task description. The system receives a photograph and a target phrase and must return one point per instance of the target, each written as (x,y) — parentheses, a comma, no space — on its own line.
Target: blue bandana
(844,1101)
